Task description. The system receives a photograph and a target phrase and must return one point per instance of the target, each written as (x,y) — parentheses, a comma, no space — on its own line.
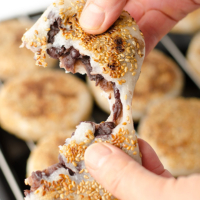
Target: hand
(127,180)
(154,17)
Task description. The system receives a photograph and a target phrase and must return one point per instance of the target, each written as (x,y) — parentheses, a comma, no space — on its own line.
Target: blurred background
(171,71)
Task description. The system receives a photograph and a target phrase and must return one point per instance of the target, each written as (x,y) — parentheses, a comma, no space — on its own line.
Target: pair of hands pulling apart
(111,167)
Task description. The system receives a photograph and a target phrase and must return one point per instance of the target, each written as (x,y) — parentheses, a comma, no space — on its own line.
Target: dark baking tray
(16,151)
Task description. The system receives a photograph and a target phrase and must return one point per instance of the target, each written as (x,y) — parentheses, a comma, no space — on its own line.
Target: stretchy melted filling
(68,58)
(36,177)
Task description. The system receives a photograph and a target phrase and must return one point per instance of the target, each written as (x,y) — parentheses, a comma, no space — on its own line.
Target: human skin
(127,180)
(154,17)
(111,167)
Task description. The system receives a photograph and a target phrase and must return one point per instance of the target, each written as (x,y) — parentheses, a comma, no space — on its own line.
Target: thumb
(99,15)
(122,176)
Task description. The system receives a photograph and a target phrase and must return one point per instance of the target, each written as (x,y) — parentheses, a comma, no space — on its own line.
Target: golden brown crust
(172,128)
(117,51)
(114,56)
(43,102)
(46,152)
(15,60)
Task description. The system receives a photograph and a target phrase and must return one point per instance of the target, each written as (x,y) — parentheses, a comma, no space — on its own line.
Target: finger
(135,8)
(99,15)
(121,175)
(154,25)
(151,161)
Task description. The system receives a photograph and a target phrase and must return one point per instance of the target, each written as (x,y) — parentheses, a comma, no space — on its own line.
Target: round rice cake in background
(43,102)
(160,79)
(15,60)
(188,25)
(193,53)
(172,128)
(46,151)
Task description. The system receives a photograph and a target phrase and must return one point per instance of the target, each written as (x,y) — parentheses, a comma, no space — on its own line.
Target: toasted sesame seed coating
(111,50)
(114,60)
(65,187)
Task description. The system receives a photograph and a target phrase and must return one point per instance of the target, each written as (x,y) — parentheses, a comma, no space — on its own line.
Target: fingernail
(92,17)
(95,155)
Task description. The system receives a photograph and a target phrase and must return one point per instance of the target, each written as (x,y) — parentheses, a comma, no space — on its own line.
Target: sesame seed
(122,74)
(134,73)
(86,177)
(131,70)
(34,44)
(43,193)
(39,40)
(134,153)
(132,142)
(119,82)
(125,97)
(134,43)
(36,192)
(128,148)
(75,165)
(26,182)
(127,140)
(132,148)
(73,183)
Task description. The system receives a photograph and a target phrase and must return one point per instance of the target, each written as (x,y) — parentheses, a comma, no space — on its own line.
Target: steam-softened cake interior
(113,60)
